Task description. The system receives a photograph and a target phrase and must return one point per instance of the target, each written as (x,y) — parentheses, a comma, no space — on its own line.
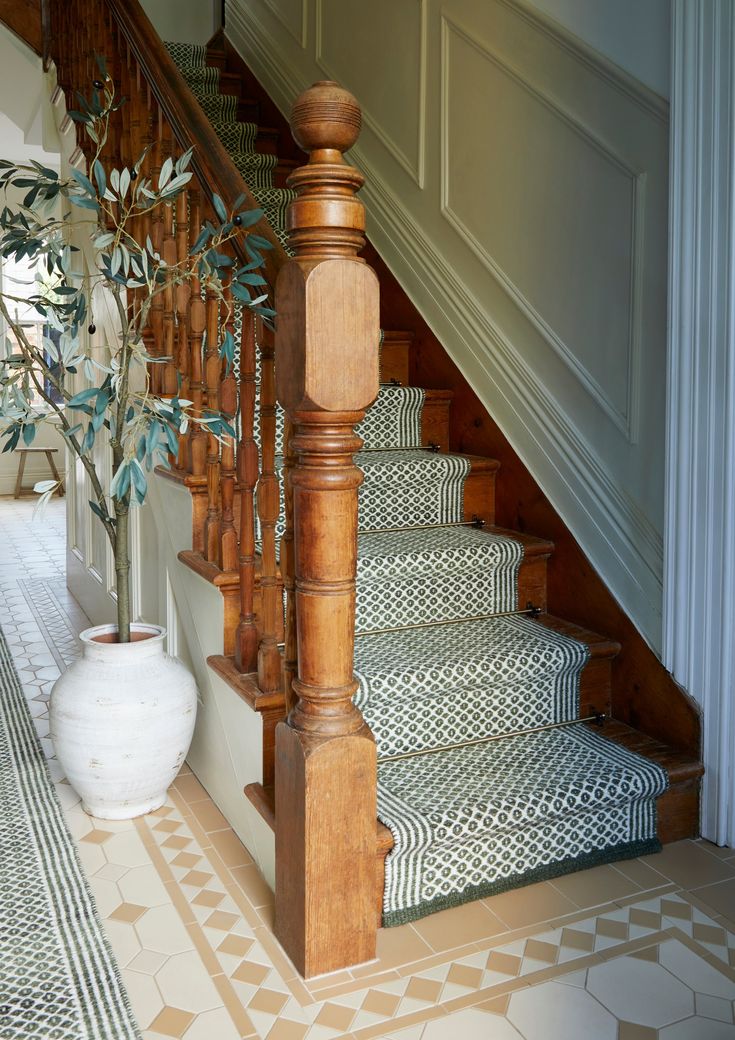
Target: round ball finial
(325,116)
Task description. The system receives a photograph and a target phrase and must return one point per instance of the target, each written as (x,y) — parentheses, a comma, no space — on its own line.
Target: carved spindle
(269,657)
(246,637)
(290,651)
(196,322)
(327,375)
(182,306)
(169,374)
(228,407)
(213,523)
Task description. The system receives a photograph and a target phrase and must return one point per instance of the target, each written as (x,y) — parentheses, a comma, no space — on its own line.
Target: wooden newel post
(326,376)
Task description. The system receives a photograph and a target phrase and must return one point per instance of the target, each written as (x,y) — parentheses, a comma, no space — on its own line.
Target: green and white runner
(58,976)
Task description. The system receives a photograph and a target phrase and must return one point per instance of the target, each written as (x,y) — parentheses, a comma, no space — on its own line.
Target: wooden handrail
(210,161)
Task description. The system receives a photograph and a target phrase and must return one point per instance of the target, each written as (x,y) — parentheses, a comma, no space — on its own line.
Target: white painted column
(699,566)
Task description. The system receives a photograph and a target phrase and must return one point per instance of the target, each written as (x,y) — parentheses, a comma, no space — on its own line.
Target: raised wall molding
(618,537)
(699,601)
(300,35)
(626,547)
(626,419)
(415,166)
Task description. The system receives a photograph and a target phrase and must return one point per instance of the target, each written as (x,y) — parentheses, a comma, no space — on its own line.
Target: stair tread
(455,547)
(467,642)
(679,765)
(445,684)
(400,456)
(492,784)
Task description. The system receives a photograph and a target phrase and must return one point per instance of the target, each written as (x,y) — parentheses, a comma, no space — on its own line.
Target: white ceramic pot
(121,720)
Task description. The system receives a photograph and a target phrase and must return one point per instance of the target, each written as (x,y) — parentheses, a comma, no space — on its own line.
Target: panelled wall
(517,186)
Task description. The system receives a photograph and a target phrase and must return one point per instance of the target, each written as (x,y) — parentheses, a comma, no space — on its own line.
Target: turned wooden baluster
(213,523)
(228,407)
(169,372)
(196,322)
(327,375)
(183,290)
(156,233)
(246,637)
(269,657)
(290,650)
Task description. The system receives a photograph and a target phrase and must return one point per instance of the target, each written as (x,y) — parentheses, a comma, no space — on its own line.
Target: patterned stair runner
(474,820)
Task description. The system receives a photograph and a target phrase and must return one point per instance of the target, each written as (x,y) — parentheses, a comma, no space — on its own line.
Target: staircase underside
(444,659)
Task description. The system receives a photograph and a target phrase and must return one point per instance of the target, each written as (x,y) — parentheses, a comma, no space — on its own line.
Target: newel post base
(325,849)
(326,376)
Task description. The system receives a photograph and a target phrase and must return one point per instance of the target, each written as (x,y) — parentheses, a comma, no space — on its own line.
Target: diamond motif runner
(58,977)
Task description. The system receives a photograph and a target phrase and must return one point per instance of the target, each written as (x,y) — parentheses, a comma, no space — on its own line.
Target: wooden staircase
(678,807)
(622,680)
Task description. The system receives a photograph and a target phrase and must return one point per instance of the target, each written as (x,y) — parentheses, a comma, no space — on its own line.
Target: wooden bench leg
(19,479)
(54,470)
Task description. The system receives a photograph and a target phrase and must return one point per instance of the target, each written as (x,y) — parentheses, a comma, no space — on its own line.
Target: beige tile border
(240,1018)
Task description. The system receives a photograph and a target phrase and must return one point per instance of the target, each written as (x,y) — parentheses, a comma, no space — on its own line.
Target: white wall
(24,129)
(517,186)
(184,21)
(635,34)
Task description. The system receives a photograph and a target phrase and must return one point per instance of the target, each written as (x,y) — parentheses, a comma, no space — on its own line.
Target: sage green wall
(184,21)
(517,186)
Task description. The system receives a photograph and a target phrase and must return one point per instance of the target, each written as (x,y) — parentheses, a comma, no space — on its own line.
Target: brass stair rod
(598,717)
(476,521)
(530,610)
(433,448)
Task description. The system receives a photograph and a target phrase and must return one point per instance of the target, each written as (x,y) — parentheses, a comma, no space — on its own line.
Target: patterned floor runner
(58,977)
(480,819)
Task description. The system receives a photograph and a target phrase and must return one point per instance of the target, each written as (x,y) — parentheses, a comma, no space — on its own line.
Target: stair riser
(479,497)
(409,602)
(394,360)
(435,423)
(595,686)
(678,811)
(486,712)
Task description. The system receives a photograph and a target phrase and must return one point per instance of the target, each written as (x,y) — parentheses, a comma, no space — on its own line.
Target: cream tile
(555,1012)
(213,1025)
(124,941)
(469,1024)
(145,997)
(160,929)
(148,962)
(143,885)
(713,1007)
(126,849)
(185,983)
(626,986)
(106,895)
(698,1029)
(694,971)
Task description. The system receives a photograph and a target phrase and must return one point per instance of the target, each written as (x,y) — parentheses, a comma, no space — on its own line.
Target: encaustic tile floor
(640,950)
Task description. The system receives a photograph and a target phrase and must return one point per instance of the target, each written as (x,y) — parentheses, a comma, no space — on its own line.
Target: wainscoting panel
(392,93)
(531,233)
